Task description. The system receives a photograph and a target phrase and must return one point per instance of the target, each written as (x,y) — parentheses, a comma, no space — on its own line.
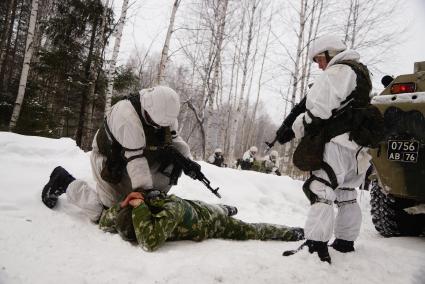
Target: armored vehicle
(398,183)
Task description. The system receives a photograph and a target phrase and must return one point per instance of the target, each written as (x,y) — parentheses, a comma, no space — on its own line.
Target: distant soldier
(248,158)
(151,222)
(217,158)
(271,163)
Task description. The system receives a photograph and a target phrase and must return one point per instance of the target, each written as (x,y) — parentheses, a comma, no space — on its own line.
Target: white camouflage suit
(348,160)
(126,127)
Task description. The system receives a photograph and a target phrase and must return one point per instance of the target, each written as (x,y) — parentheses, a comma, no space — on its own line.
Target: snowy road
(39,245)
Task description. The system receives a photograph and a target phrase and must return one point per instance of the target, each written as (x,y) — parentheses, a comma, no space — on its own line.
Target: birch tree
(206,60)
(363,30)
(29,48)
(309,14)
(166,47)
(260,83)
(115,51)
(239,105)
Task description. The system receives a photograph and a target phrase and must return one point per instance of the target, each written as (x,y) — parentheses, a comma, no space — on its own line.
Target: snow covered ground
(39,245)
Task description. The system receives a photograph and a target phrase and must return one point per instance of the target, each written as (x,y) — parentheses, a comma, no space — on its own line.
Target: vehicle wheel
(389,217)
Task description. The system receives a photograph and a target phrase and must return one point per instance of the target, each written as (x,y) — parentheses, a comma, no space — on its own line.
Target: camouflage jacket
(173,218)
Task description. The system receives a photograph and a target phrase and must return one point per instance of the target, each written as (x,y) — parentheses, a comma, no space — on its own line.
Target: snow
(39,245)
(415,98)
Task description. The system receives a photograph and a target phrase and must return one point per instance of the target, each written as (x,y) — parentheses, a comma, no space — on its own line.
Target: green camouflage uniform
(173,218)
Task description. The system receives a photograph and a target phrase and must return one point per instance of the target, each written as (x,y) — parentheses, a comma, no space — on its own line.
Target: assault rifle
(283,133)
(190,168)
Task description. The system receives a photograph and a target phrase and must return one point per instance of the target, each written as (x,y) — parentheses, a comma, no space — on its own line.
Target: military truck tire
(389,217)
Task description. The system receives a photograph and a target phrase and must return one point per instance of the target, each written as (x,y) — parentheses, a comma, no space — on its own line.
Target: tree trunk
(10,59)
(212,90)
(295,74)
(84,94)
(29,48)
(243,83)
(4,55)
(164,53)
(115,52)
(254,112)
(11,5)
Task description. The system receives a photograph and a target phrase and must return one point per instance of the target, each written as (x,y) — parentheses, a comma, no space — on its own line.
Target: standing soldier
(337,124)
(217,158)
(128,154)
(151,222)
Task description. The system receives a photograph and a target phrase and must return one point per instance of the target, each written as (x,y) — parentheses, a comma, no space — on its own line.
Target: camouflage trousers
(220,226)
(235,229)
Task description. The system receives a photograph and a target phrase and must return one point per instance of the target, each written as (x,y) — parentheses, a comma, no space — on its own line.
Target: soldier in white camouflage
(170,218)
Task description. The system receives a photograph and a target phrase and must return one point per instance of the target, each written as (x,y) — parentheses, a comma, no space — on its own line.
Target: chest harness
(356,115)
(156,140)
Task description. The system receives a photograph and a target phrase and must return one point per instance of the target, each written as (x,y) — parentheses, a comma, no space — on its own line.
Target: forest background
(238,65)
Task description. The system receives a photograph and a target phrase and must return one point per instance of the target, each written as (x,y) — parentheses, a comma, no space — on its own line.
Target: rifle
(190,168)
(289,120)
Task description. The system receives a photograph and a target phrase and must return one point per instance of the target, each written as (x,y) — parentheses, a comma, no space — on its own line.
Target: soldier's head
(324,48)
(218,152)
(253,150)
(161,105)
(273,155)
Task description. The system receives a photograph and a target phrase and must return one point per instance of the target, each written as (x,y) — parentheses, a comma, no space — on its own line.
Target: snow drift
(39,245)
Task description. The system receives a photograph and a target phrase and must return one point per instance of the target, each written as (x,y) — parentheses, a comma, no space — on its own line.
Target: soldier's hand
(135,202)
(134,199)
(284,134)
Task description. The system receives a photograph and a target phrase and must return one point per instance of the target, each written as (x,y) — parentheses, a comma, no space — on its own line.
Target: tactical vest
(357,116)
(156,140)
(341,119)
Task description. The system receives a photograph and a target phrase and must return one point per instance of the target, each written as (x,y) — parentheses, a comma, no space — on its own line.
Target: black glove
(153,194)
(284,134)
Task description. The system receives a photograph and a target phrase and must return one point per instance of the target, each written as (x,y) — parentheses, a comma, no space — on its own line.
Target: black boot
(321,248)
(59,181)
(231,210)
(313,246)
(343,245)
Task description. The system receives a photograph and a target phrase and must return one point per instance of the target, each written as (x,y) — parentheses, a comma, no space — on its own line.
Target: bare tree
(115,51)
(166,47)
(205,58)
(29,48)
(237,114)
(260,83)
(363,28)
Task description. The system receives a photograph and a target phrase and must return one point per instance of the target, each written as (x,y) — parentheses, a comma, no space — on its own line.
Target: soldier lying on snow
(152,221)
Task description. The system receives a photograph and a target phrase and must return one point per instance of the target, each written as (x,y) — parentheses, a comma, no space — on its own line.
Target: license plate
(403,150)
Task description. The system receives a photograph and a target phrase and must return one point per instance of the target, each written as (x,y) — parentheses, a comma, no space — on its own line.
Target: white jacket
(328,92)
(247,156)
(126,127)
(271,165)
